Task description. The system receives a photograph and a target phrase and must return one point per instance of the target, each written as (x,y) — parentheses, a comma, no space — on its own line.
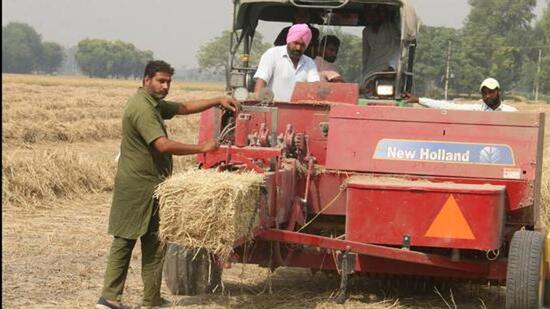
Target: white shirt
(327,71)
(481,106)
(278,71)
(380,49)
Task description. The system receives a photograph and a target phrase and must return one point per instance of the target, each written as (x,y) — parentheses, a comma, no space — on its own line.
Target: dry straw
(35,179)
(208,209)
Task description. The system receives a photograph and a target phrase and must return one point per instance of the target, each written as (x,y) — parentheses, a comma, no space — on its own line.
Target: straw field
(60,136)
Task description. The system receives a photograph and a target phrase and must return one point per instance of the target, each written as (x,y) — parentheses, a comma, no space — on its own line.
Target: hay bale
(208,209)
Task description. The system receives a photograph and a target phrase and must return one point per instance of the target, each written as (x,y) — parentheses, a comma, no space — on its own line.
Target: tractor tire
(524,279)
(184,275)
(547,294)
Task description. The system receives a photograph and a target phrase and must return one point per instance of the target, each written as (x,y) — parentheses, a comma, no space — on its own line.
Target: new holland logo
(447,152)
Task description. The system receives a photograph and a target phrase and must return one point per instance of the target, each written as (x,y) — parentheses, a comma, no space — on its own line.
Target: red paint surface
(385,213)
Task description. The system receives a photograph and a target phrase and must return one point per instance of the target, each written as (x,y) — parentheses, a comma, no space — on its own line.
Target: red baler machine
(385,189)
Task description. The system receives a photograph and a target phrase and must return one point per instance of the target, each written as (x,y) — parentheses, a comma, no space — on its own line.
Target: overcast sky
(172,29)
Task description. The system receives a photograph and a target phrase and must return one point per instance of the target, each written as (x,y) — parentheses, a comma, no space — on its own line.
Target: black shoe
(102,303)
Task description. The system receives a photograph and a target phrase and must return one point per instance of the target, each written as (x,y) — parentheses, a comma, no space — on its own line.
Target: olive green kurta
(140,167)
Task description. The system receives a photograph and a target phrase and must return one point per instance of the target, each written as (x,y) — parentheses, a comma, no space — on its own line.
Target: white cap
(490,83)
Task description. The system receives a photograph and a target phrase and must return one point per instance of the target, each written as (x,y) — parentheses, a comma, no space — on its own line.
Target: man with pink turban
(301,16)
(282,66)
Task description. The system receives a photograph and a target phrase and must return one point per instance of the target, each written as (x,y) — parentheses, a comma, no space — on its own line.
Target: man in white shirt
(326,55)
(490,100)
(301,16)
(381,42)
(282,66)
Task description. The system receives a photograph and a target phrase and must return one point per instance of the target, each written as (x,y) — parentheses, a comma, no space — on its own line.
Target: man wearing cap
(490,100)
(282,66)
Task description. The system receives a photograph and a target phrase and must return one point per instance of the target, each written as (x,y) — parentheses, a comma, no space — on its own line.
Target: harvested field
(60,136)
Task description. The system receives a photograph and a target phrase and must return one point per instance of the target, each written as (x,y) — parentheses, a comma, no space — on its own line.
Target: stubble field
(60,137)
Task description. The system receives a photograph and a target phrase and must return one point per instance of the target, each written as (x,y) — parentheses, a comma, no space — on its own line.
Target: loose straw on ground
(208,209)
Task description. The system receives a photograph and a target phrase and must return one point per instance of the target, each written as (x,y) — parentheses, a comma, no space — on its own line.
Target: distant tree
(431,59)
(21,48)
(122,62)
(140,59)
(543,39)
(494,32)
(214,54)
(92,57)
(51,58)
(102,58)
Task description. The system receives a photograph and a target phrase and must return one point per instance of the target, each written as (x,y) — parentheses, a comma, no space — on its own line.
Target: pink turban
(297,32)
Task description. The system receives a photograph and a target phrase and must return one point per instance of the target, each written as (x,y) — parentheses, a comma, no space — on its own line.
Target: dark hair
(330,40)
(155,66)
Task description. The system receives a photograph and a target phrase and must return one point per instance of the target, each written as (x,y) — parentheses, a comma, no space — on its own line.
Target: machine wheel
(184,275)
(524,279)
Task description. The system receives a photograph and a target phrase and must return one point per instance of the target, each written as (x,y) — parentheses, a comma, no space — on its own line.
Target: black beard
(493,103)
(330,59)
(295,53)
(159,96)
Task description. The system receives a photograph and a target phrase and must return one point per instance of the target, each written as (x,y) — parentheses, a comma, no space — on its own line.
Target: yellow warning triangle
(450,222)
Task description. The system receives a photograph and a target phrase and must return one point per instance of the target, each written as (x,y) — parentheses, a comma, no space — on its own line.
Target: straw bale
(208,209)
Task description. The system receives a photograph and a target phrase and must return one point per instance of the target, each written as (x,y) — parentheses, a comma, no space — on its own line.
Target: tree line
(500,38)
(115,59)
(24,52)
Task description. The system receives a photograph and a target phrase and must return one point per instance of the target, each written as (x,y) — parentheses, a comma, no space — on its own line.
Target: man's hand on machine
(409,97)
(210,145)
(230,104)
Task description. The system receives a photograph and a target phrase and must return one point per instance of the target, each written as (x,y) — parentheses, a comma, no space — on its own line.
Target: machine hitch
(348,268)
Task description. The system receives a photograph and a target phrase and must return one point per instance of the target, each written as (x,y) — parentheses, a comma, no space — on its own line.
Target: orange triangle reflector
(450,223)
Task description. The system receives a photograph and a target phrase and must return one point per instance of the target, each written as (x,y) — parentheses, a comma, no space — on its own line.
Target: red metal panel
(384,212)
(325,92)
(242,129)
(306,118)
(373,250)
(517,119)
(517,133)
(206,125)
(242,155)
(324,188)
(520,134)
(519,194)
(325,259)
(275,207)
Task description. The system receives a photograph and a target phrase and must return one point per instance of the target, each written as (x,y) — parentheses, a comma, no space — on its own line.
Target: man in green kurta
(145,161)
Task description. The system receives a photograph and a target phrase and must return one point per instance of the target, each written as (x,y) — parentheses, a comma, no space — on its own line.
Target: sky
(173,29)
